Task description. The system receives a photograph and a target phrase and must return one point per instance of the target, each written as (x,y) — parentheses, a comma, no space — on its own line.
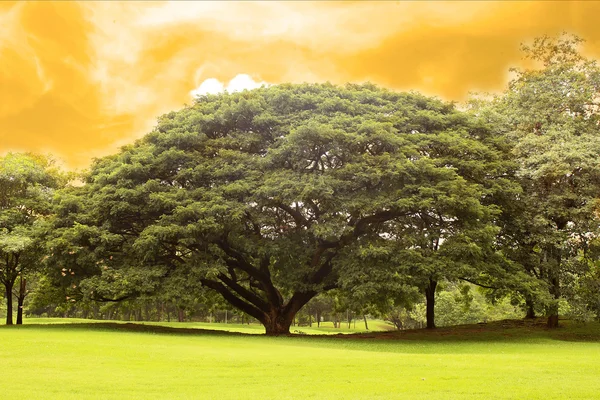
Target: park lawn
(326,328)
(129,361)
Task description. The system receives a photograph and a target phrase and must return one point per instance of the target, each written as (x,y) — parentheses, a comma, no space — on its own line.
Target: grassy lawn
(128,361)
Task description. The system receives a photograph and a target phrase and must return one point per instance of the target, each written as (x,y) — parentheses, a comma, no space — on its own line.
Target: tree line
(268,199)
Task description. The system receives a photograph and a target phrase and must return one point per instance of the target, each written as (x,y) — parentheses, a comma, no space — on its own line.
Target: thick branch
(360,227)
(479,284)
(244,293)
(299,299)
(241,262)
(262,275)
(234,300)
(362,224)
(255,226)
(103,299)
(323,271)
(296,215)
(314,208)
(264,281)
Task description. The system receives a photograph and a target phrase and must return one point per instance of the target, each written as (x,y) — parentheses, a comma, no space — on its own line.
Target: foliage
(270,194)
(550,112)
(27,184)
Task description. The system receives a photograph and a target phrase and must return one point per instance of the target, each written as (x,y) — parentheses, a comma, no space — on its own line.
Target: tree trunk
(278,322)
(180,315)
(349,320)
(553,308)
(9,303)
(529,306)
(366,325)
(21,300)
(271,310)
(430,300)
(159,310)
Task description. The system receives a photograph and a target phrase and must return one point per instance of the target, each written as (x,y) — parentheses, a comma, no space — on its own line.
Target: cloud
(239,83)
(80,79)
(209,86)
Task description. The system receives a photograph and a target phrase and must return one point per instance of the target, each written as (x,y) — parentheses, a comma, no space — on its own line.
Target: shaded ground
(497,330)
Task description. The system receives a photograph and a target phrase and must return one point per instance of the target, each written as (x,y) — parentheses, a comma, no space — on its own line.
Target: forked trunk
(430,300)
(275,315)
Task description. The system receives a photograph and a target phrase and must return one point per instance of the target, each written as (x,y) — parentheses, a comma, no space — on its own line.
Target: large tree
(267,194)
(27,183)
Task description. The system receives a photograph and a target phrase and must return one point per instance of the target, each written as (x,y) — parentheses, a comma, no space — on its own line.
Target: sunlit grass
(116,361)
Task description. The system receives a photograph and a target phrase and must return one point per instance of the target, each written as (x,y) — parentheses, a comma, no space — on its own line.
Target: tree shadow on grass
(128,327)
(498,331)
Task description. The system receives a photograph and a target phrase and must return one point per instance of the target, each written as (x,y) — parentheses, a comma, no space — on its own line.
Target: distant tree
(319,306)
(405,318)
(551,114)
(27,184)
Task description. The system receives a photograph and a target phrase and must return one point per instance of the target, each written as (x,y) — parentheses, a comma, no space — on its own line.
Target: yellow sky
(79,80)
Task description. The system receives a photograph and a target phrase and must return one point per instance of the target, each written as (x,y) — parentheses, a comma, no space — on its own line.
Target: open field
(129,361)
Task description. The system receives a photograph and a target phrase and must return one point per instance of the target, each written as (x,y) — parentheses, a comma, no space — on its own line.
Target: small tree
(27,184)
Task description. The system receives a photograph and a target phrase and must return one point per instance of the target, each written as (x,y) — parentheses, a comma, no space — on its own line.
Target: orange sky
(79,80)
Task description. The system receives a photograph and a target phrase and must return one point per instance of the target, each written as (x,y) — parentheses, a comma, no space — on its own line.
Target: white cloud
(239,83)
(209,86)
(243,82)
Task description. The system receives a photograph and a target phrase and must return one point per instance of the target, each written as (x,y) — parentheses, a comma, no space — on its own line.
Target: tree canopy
(550,114)
(272,195)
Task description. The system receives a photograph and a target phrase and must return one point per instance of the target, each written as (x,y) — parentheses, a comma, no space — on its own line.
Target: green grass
(129,361)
